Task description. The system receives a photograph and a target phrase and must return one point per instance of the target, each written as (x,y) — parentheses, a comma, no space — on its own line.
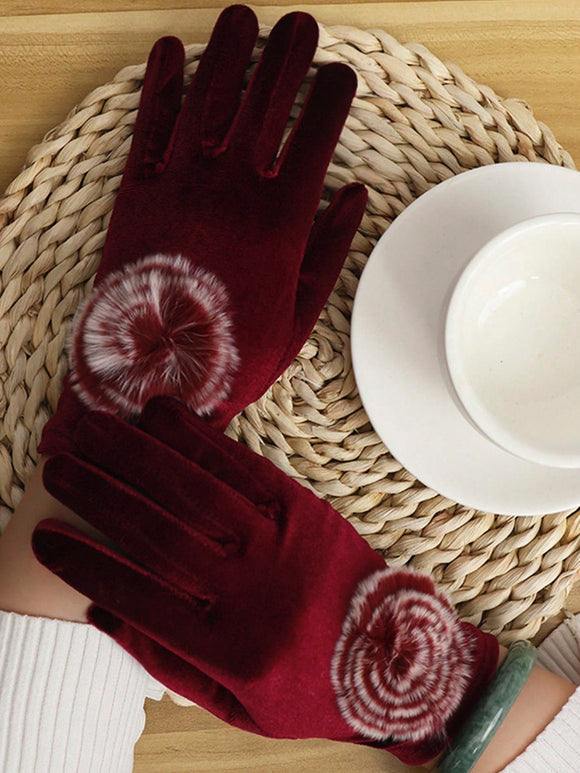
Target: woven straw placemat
(415,121)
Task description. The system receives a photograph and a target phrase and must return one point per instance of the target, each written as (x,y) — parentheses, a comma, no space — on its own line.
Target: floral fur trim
(159,326)
(403,661)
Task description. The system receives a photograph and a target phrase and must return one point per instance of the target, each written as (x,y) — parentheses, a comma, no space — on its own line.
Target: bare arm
(26,586)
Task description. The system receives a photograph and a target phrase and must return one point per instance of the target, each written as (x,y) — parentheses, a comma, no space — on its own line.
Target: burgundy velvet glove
(214,271)
(241,590)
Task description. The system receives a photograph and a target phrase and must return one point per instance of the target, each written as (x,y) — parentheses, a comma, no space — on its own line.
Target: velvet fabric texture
(208,189)
(243,591)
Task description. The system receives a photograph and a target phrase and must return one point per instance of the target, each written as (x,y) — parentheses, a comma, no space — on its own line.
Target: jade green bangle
(490,711)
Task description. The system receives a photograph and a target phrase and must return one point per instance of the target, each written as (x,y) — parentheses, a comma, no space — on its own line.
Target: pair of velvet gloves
(232,584)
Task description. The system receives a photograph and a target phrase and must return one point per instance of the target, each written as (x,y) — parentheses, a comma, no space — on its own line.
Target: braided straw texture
(415,121)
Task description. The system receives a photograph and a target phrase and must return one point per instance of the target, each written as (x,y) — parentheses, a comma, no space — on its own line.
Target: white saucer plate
(398,337)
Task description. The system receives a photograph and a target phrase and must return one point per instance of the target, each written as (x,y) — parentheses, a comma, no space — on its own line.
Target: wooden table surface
(52,53)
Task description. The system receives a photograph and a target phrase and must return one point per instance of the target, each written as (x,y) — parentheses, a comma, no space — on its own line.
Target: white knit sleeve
(71,699)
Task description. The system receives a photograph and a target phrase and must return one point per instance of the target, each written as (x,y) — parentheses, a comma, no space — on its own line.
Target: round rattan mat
(415,121)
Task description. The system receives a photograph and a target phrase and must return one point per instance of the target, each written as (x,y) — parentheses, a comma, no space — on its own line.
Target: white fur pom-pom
(156,327)
(403,662)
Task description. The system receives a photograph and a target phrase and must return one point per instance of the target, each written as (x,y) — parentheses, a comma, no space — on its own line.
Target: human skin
(27,587)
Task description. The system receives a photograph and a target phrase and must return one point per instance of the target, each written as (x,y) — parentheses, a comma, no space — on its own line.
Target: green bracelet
(490,711)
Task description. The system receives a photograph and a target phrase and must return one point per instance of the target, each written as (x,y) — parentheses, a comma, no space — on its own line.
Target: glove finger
(151,534)
(214,95)
(171,670)
(309,148)
(254,477)
(265,110)
(327,249)
(158,109)
(131,592)
(180,485)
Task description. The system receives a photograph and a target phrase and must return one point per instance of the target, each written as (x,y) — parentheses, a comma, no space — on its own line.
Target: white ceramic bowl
(512,339)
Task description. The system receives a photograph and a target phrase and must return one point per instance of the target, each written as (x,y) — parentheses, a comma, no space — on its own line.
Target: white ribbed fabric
(557,748)
(71,699)
(560,651)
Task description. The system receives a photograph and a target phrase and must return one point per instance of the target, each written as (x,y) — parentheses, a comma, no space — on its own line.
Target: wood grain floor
(50,60)
(52,53)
